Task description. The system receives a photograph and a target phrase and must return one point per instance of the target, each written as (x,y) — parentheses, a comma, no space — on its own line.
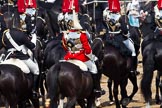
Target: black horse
(51,12)
(115,64)
(116,67)
(65,79)
(151,62)
(16,86)
(151,53)
(10,72)
(41,24)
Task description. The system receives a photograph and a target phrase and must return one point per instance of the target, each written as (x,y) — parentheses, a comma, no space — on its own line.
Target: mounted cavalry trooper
(75,41)
(27,10)
(17,44)
(112,16)
(95,10)
(63,19)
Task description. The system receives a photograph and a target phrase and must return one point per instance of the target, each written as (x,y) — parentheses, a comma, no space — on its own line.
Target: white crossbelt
(21,48)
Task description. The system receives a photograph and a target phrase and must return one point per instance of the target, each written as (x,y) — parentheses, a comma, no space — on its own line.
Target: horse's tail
(52,81)
(148,68)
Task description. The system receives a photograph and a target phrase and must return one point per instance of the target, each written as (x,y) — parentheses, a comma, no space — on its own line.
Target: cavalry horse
(151,53)
(114,64)
(65,79)
(15,85)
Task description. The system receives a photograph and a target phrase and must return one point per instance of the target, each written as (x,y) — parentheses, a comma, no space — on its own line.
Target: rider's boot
(35,86)
(134,66)
(96,85)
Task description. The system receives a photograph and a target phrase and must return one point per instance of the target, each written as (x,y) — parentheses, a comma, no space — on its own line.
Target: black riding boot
(96,85)
(134,66)
(35,86)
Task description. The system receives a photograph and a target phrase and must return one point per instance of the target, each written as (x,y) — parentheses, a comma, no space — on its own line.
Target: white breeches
(33,66)
(91,66)
(130,45)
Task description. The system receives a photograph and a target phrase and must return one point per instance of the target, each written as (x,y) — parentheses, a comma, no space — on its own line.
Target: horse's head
(85,22)
(98,49)
(41,24)
(11,20)
(8,18)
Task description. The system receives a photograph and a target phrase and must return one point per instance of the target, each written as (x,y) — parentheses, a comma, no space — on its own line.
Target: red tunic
(67,6)
(23,4)
(160,4)
(114,5)
(81,55)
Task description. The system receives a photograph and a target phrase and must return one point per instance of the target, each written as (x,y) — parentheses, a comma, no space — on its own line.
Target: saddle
(79,63)
(116,41)
(18,63)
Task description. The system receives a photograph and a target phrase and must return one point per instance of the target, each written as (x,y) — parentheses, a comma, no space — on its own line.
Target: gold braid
(4,36)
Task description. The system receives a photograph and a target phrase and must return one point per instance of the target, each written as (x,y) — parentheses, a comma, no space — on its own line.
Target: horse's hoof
(125,101)
(110,98)
(97,102)
(111,102)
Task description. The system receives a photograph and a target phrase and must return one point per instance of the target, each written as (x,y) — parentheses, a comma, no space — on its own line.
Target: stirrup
(36,95)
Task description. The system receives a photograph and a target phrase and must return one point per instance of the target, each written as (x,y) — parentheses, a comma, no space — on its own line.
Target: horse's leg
(109,85)
(35,102)
(91,101)
(157,88)
(124,100)
(160,97)
(42,88)
(148,68)
(133,79)
(81,102)
(53,103)
(115,92)
(71,102)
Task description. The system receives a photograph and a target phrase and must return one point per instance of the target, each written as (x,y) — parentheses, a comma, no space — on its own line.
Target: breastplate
(75,38)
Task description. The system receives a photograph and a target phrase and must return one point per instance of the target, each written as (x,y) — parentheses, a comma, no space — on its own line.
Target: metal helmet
(71,9)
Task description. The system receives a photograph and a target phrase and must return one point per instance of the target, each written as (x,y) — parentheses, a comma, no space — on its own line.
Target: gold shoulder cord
(4,36)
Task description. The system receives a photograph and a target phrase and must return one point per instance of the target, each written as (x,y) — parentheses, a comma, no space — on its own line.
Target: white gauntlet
(92,57)
(34,38)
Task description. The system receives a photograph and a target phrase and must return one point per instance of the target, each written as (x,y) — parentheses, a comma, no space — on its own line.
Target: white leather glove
(92,57)
(60,17)
(34,38)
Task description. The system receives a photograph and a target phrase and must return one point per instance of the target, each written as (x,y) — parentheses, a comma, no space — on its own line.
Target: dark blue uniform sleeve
(26,41)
